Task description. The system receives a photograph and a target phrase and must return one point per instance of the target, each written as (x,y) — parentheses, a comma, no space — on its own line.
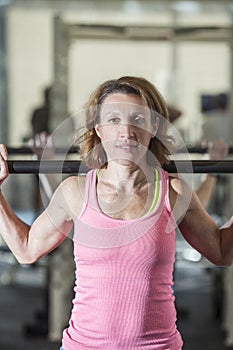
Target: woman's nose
(126,130)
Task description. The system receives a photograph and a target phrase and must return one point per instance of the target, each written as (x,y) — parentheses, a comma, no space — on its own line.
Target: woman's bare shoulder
(181,196)
(178,186)
(75,182)
(71,194)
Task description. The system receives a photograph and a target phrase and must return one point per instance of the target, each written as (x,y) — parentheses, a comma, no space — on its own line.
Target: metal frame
(66,33)
(3,76)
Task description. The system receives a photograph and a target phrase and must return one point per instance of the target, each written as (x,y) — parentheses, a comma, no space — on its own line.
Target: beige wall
(201,67)
(30,66)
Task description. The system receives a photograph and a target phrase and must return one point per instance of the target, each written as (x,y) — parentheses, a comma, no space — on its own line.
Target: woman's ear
(97,130)
(155,127)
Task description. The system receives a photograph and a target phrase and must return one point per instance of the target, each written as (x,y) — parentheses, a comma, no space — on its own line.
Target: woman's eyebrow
(109,113)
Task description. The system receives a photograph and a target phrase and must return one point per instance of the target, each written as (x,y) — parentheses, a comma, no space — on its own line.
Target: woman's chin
(127,162)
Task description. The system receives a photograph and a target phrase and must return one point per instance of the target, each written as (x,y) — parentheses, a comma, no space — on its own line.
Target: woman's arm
(199,229)
(28,244)
(217,150)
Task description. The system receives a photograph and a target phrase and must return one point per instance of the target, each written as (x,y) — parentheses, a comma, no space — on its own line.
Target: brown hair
(91,151)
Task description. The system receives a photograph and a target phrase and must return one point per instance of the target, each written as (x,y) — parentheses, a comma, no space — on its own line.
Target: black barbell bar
(59,150)
(26,150)
(76,167)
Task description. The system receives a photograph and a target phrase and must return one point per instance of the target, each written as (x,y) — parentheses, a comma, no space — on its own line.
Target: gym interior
(69,47)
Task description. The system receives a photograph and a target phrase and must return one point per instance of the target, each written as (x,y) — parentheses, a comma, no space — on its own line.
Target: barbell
(76,167)
(59,150)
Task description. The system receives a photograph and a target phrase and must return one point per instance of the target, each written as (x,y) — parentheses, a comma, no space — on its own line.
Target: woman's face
(125,128)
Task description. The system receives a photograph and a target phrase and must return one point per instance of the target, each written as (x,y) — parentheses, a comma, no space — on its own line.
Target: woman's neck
(125,192)
(127,176)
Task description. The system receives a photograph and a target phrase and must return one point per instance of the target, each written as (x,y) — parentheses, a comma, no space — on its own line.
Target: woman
(123,212)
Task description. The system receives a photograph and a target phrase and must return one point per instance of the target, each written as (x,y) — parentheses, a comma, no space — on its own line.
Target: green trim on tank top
(156,195)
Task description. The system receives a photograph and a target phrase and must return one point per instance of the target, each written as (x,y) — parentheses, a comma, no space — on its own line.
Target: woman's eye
(138,119)
(114,120)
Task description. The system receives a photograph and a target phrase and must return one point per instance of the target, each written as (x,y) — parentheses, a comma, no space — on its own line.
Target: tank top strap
(90,190)
(166,190)
(91,183)
(171,225)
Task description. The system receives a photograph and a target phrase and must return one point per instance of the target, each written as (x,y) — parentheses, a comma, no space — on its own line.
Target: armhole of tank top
(172,223)
(166,189)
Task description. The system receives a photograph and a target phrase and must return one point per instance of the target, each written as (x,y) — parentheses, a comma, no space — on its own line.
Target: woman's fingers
(42,145)
(3,151)
(218,149)
(4,172)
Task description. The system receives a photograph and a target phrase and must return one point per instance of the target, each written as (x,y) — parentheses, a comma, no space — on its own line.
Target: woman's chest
(144,241)
(125,205)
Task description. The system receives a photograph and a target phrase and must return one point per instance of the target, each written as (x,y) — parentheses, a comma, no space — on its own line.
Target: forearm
(13,230)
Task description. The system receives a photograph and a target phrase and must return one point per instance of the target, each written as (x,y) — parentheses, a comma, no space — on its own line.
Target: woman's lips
(127,146)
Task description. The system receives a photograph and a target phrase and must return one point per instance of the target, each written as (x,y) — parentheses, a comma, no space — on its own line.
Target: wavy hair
(91,150)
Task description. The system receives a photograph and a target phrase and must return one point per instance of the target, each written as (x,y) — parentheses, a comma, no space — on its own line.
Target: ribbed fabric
(123,292)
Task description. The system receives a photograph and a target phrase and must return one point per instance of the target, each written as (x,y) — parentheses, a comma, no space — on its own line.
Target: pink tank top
(124,277)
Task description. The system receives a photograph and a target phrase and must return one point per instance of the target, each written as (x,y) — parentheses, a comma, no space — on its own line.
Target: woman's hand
(42,146)
(4,172)
(217,150)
